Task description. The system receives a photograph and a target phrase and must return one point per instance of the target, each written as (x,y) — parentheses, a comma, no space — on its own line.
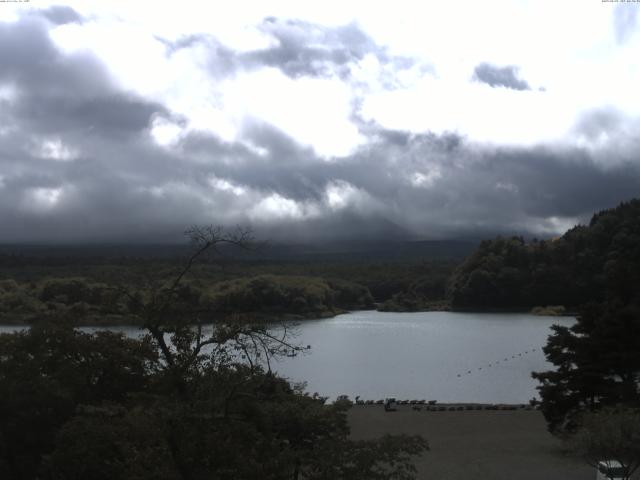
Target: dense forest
(591,396)
(587,263)
(98,289)
(266,296)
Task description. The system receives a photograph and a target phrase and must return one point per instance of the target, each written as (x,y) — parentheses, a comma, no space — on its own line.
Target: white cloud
(165,132)
(315,112)
(342,195)
(554,225)
(8,92)
(131,53)
(422,179)
(227,186)
(277,207)
(577,60)
(54,149)
(42,199)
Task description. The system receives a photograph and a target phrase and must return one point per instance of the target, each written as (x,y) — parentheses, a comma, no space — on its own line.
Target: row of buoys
(431,406)
(506,359)
(399,402)
(460,408)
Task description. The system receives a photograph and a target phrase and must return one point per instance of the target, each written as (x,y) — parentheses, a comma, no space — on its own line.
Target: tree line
(596,262)
(92,302)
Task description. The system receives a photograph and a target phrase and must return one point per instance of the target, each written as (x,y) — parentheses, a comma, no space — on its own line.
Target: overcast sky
(315,120)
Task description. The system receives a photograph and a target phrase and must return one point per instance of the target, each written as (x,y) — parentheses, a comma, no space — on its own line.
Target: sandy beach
(483,445)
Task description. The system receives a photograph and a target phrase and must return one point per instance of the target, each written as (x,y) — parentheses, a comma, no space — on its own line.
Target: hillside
(588,263)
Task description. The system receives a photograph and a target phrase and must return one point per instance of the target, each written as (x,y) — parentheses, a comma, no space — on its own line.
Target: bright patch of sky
(567,51)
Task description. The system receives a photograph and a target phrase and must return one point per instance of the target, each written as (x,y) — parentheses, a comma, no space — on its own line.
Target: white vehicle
(611,470)
(390,404)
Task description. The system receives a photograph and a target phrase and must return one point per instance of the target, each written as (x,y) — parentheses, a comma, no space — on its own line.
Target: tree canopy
(187,400)
(586,264)
(597,360)
(596,364)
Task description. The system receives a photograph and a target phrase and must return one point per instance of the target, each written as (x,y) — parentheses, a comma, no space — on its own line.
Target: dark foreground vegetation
(80,406)
(178,403)
(264,296)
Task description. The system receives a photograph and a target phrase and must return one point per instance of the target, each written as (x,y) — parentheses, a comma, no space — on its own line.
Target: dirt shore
(482,445)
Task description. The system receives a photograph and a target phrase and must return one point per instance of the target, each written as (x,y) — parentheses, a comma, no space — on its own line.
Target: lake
(444,356)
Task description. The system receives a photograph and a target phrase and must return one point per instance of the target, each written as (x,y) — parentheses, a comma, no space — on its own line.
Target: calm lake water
(444,356)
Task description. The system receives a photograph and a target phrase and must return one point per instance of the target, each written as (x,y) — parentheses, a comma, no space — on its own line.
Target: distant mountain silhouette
(336,251)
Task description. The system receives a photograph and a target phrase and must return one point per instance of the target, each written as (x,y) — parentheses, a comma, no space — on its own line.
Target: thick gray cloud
(78,162)
(500,76)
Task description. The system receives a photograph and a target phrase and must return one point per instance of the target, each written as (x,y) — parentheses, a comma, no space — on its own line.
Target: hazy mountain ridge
(347,251)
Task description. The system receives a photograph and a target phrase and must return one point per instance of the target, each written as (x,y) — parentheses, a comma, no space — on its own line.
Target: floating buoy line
(515,356)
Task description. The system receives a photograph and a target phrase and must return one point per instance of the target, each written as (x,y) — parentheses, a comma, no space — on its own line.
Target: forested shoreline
(586,264)
(507,274)
(98,398)
(98,292)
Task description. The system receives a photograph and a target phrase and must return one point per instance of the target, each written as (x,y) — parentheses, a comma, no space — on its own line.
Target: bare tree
(180,334)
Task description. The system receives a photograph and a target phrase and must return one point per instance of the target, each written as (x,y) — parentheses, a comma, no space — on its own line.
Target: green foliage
(89,302)
(418,281)
(585,264)
(277,294)
(74,297)
(597,364)
(426,291)
(549,310)
(46,372)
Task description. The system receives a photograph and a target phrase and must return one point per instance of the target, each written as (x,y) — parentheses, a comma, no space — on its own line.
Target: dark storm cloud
(472,188)
(109,181)
(32,63)
(114,115)
(500,76)
(625,21)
